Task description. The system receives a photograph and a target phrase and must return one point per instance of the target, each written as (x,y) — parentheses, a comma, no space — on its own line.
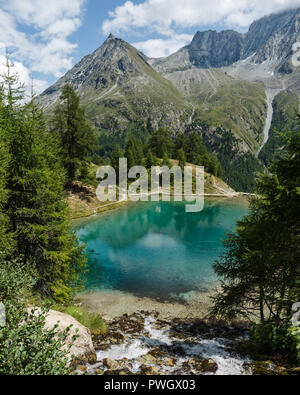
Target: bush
(274,339)
(294,335)
(26,348)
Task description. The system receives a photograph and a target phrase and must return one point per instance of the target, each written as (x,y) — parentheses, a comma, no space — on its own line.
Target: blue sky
(46,38)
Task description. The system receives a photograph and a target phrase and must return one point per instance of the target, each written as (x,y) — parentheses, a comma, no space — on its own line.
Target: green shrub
(274,339)
(26,347)
(294,334)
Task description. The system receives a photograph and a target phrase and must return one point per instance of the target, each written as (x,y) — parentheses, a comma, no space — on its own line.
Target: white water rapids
(133,348)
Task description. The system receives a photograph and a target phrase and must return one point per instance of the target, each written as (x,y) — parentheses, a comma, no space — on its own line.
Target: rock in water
(110,364)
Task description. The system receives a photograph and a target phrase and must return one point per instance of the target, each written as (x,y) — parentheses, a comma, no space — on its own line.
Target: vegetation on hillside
(239,168)
(285,106)
(240,107)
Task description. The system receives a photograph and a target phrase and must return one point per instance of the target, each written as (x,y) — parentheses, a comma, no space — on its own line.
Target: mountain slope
(262,55)
(221,100)
(117,84)
(285,108)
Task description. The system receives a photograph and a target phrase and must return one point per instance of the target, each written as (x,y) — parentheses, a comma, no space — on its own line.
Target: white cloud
(36,32)
(24,76)
(166,16)
(161,48)
(42,13)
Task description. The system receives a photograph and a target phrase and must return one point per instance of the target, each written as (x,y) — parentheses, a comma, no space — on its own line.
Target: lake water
(157,250)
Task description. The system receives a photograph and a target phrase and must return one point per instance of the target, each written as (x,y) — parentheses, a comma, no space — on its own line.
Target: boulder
(209,366)
(82,349)
(268,368)
(110,364)
(200,365)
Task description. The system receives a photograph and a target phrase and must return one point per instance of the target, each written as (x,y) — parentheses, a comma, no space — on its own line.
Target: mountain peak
(111,37)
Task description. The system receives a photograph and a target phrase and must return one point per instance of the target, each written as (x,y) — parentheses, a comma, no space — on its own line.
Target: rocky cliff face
(208,49)
(213,49)
(202,71)
(272,37)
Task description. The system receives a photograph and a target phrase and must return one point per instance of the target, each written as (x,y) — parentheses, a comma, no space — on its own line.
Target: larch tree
(77,137)
(260,266)
(181,159)
(35,206)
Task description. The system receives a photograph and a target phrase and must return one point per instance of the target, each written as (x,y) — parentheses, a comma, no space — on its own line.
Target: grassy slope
(221,100)
(239,107)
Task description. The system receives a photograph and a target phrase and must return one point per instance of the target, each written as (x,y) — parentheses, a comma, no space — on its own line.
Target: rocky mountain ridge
(269,38)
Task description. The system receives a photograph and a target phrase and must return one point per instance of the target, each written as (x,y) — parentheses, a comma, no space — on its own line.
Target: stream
(143,344)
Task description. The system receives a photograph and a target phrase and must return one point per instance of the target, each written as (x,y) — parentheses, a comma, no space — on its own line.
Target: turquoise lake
(157,249)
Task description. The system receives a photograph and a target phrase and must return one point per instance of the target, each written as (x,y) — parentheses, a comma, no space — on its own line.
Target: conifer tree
(77,137)
(181,158)
(260,268)
(166,160)
(149,127)
(213,166)
(161,143)
(35,206)
(195,149)
(150,159)
(181,143)
(134,152)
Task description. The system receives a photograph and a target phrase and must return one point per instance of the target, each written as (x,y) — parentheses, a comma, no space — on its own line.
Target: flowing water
(156,249)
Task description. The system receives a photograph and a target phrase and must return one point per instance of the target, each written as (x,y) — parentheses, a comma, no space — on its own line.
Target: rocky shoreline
(113,304)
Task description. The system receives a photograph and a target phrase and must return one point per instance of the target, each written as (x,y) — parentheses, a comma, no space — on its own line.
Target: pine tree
(5,238)
(150,160)
(149,127)
(213,166)
(181,143)
(77,137)
(195,148)
(35,206)
(134,152)
(116,155)
(260,269)
(166,160)
(181,158)
(161,143)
